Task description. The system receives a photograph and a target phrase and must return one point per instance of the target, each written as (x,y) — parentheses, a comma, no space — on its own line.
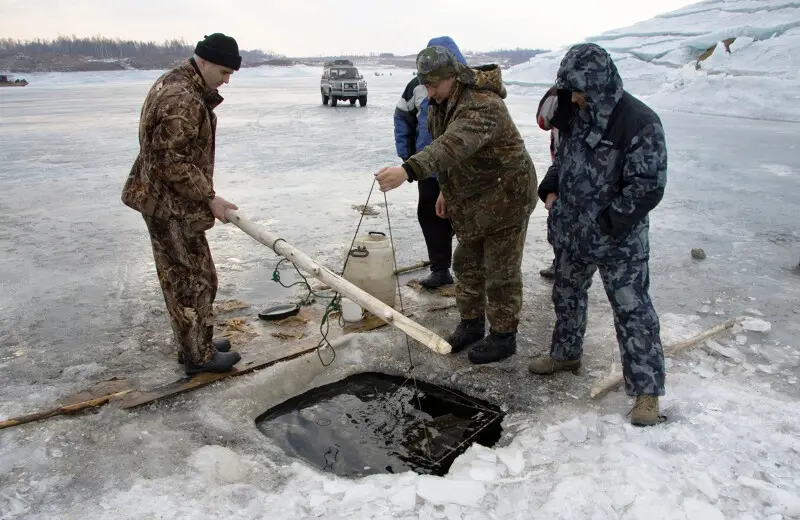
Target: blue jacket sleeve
(405,123)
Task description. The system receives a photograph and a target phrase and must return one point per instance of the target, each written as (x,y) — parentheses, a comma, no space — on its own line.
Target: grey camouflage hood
(588,68)
(484,77)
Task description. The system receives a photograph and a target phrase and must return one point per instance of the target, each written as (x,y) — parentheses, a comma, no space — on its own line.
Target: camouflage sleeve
(644,177)
(472,128)
(174,138)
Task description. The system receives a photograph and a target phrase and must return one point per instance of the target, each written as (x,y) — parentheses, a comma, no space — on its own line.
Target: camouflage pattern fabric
(635,319)
(491,267)
(435,64)
(607,181)
(189,282)
(171,183)
(609,171)
(488,182)
(485,173)
(172,177)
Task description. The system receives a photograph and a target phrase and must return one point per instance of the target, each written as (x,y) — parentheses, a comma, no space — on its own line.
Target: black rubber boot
(550,272)
(493,347)
(467,333)
(221,362)
(220,345)
(437,279)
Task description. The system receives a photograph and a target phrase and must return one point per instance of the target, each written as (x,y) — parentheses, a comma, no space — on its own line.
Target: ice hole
(376,423)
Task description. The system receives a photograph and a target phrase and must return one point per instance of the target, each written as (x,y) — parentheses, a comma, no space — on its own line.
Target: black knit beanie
(219,49)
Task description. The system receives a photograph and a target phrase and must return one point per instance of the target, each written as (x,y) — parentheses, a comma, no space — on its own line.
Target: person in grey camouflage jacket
(488,190)
(609,172)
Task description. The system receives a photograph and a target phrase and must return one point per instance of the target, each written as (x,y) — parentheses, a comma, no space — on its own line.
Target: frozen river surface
(80,302)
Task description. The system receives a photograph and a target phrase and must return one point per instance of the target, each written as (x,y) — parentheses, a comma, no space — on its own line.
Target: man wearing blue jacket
(411,136)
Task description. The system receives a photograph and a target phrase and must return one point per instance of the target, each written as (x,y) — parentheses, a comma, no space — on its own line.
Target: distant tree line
(99,47)
(514,56)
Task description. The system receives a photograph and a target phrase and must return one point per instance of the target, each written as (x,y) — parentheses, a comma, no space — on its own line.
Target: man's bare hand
(391,177)
(218,206)
(548,203)
(441,207)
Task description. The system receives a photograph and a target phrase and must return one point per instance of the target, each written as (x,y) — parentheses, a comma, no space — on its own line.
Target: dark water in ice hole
(373,423)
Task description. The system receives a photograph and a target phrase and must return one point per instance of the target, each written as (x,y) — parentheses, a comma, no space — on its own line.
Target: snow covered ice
(80,302)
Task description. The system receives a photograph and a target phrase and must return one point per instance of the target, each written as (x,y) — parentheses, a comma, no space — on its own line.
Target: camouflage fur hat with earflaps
(435,64)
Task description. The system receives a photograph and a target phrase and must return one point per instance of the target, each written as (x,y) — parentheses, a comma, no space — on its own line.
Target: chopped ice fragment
(705,485)
(783,501)
(513,458)
(699,510)
(574,430)
(482,470)
(756,325)
(439,491)
(730,353)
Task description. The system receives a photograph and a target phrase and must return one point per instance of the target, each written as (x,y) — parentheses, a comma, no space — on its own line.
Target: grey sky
(317,27)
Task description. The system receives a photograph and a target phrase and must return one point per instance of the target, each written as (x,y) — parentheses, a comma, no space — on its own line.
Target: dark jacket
(411,114)
(486,176)
(610,169)
(173,175)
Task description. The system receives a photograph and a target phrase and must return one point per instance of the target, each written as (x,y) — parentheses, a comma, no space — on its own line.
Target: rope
(335,305)
(358,227)
(402,310)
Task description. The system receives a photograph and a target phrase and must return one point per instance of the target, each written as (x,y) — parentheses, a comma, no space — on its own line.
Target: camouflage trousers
(489,276)
(189,282)
(636,322)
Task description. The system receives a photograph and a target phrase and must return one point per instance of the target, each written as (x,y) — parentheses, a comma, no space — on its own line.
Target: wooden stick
(610,382)
(62,410)
(412,267)
(250,363)
(325,275)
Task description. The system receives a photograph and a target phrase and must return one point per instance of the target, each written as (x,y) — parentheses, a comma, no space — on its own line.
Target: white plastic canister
(370,267)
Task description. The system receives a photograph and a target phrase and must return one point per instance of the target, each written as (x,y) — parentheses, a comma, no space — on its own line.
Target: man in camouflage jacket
(488,185)
(609,172)
(172,184)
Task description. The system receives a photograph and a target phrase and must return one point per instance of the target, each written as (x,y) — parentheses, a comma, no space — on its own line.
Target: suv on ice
(340,81)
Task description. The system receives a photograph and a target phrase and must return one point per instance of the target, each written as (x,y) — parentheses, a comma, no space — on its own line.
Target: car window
(344,73)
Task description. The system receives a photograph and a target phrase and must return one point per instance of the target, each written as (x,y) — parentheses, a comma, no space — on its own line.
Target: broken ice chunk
(439,491)
(700,510)
(574,431)
(730,353)
(513,458)
(756,325)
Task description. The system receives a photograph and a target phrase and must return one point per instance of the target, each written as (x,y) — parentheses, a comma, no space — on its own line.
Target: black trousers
(438,232)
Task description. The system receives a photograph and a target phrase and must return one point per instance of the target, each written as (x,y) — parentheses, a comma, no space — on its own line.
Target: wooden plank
(613,380)
(258,361)
(132,398)
(248,364)
(61,410)
(114,385)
